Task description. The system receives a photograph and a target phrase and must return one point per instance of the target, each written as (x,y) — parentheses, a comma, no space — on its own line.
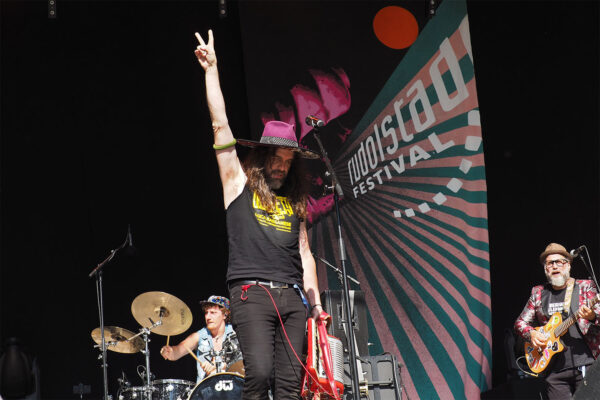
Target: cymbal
(118,339)
(149,307)
(237,367)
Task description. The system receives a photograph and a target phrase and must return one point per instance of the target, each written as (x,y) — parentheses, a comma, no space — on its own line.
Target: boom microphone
(315,122)
(577,251)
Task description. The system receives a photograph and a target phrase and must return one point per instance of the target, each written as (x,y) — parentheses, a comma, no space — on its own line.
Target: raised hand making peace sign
(205,52)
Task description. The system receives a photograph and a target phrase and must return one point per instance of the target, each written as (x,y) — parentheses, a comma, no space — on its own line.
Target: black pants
(561,385)
(264,346)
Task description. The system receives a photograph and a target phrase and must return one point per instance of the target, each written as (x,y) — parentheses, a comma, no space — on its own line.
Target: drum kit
(166,315)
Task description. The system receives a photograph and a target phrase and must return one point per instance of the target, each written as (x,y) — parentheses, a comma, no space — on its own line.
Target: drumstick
(192,354)
(168,336)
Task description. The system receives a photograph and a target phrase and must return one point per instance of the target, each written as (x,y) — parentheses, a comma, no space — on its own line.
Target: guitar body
(539,358)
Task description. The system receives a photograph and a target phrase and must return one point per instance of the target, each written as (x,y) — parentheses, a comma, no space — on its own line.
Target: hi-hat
(150,307)
(118,339)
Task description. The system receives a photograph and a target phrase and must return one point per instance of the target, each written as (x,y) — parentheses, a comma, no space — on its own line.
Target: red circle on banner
(395,27)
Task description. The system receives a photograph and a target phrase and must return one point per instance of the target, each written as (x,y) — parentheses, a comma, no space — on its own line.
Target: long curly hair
(294,187)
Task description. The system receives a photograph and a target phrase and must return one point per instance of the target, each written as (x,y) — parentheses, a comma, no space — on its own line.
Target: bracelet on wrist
(316,305)
(224,146)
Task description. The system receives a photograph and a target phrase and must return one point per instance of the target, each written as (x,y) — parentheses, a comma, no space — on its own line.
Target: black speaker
(333,305)
(590,387)
(382,378)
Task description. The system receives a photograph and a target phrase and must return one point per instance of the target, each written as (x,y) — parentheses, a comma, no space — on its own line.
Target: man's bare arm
(230,169)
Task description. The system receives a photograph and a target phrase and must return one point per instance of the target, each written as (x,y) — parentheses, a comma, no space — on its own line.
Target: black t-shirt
(576,352)
(261,244)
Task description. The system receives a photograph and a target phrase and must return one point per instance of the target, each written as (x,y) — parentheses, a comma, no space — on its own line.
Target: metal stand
(145,333)
(588,264)
(337,192)
(97,272)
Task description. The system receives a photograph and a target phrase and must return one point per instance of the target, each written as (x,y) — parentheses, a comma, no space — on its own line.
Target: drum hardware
(118,339)
(172,317)
(232,356)
(228,359)
(148,389)
(217,356)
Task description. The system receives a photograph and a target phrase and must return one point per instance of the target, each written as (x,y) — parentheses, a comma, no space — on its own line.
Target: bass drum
(171,389)
(222,386)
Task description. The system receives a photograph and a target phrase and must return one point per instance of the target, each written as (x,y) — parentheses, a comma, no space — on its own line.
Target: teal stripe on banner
(472,221)
(473,197)
(417,371)
(416,221)
(437,350)
(442,270)
(375,346)
(473,366)
(477,244)
(483,312)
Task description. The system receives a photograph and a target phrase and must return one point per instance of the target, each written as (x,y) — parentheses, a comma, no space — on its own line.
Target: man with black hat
(562,294)
(271,271)
(215,344)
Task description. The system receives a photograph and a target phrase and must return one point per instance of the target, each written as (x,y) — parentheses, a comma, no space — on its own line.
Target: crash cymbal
(118,339)
(149,307)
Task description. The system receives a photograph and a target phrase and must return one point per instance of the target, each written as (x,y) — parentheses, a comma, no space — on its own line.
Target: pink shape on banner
(318,207)
(286,114)
(308,102)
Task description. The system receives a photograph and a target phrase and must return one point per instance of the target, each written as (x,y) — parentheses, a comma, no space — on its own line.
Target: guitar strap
(568,295)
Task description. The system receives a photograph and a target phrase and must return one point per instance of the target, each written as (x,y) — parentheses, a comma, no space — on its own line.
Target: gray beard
(559,280)
(274,184)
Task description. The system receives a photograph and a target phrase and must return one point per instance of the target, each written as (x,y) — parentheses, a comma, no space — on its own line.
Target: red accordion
(324,363)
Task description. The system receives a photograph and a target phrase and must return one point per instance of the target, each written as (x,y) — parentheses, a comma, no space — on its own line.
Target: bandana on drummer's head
(216,300)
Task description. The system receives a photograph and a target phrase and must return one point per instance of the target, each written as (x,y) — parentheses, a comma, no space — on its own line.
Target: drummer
(216,344)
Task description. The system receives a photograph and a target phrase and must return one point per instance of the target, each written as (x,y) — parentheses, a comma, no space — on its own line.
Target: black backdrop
(104,124)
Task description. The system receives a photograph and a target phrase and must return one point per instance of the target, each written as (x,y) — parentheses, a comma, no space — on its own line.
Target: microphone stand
(97,272)
(336,269)
(337,192)
(588,265)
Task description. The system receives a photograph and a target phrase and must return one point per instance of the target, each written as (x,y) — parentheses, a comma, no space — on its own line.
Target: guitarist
(582,340)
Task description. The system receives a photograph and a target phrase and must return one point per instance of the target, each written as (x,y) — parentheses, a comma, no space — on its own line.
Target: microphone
(315,122)
(577,251)
(128,247)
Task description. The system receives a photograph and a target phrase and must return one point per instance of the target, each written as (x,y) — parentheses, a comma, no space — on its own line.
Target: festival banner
(414,212)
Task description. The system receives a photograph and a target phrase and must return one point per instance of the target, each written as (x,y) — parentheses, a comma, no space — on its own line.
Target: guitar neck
(566,324)
(564,327)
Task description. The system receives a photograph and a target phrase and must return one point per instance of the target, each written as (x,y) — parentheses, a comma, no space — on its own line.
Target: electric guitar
(538,358)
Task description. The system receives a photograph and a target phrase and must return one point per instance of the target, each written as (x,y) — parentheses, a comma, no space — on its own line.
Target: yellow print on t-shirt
(277,218)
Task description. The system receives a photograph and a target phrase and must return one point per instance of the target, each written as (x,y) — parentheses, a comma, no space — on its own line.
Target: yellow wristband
(224,146)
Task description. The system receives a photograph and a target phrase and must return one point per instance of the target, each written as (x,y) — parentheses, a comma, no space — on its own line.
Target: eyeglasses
(559,263)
